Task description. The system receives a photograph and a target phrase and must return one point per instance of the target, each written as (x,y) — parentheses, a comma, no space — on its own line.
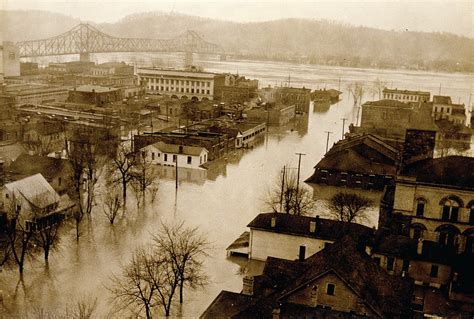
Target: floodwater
(220,202)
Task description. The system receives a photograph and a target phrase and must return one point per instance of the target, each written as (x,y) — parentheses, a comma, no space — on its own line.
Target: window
(166,157)
(189,159)
(420,208)
(406,265)
(59,181)
(174,158)
(471,216)
(330,289)
(434,271)
(7,196)
(390,263)
(417,233)
(450,211)
(153,156)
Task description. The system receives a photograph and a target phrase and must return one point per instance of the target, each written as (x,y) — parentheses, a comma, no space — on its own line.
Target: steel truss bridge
(84,39)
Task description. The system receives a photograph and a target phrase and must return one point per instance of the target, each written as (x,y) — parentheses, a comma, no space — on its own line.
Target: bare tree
(185,247)
(348,207)
(357,91)
(20,237)
(144,176)
(378,87)
(123,164)
(147,281)
(111,204)
(285,196)
(83,308)
(84,159)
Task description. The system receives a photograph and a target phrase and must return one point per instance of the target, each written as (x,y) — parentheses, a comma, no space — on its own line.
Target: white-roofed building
(167,154)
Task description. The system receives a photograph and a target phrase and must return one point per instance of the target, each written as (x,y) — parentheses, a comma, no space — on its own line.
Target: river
(220,205)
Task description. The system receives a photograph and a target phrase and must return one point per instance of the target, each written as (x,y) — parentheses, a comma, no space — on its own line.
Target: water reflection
(221,203)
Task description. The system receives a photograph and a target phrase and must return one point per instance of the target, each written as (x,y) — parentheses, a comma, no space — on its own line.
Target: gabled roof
(175,148)
(327,229)
(381,292)
(350,155)
(26,165)
(35,189)
(455,171)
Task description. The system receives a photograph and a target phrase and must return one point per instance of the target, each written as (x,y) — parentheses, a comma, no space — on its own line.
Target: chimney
(273,222)
(248,286)
(419,247)
(302,253)
(312,226)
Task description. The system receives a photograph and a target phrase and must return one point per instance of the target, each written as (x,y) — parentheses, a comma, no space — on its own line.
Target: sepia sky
(443,15)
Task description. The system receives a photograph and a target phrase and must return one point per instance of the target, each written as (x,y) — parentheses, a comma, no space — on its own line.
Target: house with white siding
(162,153)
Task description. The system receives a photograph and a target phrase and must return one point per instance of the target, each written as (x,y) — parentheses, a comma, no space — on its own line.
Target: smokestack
(419,247)
(273,222)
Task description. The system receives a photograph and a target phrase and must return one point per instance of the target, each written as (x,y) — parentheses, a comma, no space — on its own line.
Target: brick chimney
(247,288)
(312,226)
(419,247)
(273,222)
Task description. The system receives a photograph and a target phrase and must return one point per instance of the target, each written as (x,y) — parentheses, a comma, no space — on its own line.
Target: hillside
(301,40)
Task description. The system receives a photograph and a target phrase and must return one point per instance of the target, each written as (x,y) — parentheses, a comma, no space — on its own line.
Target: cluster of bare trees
(158,271)
(135,170)
(286,196)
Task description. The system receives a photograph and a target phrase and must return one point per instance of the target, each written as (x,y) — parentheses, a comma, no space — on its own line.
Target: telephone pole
(282,187)
(176,172)
(343,124)
(298,175)
(327,140)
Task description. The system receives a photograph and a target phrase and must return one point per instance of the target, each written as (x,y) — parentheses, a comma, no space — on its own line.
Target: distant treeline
(300,40)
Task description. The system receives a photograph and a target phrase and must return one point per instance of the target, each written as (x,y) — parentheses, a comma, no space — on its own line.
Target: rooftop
(388,103)
(387,90)
(179,149)
(300,226)
(94,89)
(26,165)
(440,99)
(35,189)
(455,171)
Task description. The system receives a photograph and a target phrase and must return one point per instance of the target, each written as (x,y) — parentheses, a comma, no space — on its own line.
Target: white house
(288,236)
(33,201)
(166,154)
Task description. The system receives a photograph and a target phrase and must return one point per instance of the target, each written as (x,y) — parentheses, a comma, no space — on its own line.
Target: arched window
(416,231)
(420,207)
(447,235)
(450,208)
(469,235)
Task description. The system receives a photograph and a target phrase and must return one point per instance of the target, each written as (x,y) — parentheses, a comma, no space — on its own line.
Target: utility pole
(282,187)
(439,92)
(327,140)
(343,124)
(176,172)
(298,175)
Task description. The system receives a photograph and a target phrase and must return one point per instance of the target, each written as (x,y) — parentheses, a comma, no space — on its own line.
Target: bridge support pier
(188,59)
(84,57)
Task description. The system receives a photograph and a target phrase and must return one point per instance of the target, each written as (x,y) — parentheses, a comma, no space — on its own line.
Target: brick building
(406,95)
(93,94)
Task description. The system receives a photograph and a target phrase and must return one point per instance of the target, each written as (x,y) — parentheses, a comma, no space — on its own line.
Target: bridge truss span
(85,39)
